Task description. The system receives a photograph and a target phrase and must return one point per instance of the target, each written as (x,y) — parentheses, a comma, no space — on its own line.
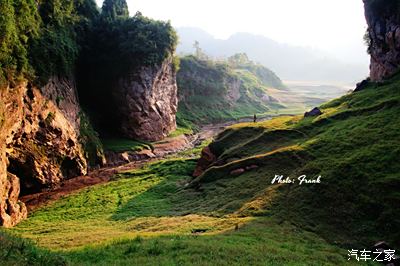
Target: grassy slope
(145,217)
(203,87)
(354,146)
(17,251)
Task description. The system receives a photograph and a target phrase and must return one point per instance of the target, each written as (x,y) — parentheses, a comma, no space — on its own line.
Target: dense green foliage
(19,23)
(113,9)
(353,146)
(21,252)
(90,140)
(41,40)
(212,91)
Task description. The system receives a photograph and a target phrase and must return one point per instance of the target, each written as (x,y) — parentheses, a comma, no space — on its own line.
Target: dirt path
(165,147)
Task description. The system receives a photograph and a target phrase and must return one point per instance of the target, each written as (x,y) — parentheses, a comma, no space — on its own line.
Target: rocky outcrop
(206,160)
(314,112)
(12,211)
(39,143)
(383,18)
(62,92)
(147,102)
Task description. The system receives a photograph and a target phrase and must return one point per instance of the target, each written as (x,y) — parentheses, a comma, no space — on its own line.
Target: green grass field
(147,217)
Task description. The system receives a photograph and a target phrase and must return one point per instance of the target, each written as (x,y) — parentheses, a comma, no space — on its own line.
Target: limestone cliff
(146,102)
(383,18)
(39,142)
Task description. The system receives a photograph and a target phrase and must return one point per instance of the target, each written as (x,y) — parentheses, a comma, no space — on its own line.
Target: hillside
(353,146)
(288,62)
(213,91)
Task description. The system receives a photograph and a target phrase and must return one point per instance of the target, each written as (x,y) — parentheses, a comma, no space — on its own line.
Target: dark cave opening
(69,168)
(23,170)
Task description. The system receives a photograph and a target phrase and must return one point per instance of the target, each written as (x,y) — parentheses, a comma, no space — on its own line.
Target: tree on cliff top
(41,39)
(115,9)
(19,23)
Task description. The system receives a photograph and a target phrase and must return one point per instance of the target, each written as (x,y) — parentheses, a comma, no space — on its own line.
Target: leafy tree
(65,23)
(19,22)
(113,9)
(8,39)
(86,9)
(199,52)
(239,59)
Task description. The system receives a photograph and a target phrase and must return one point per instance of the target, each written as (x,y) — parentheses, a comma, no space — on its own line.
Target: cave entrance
(69,168)
(24,171)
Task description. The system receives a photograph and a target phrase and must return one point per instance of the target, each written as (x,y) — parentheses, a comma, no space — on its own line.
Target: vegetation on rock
(118,46)
(41,40)
(211,91)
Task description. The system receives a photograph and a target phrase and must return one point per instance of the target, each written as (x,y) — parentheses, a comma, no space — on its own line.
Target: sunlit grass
(147,217)
(282,122)
(121,145)
(180,131)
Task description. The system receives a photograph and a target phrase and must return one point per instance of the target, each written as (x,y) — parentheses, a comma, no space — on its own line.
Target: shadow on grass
(226,195)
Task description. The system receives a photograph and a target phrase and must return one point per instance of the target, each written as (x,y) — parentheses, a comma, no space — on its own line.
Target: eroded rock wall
(39,142)
(384,33)
(147,102)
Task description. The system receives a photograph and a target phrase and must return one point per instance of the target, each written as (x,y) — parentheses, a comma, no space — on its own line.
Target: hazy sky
(336,26)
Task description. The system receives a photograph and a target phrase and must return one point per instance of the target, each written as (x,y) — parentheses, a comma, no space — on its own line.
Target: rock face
(12,211)
(206,160)
(39,143)
(147,102)
(62,92)
(383,18)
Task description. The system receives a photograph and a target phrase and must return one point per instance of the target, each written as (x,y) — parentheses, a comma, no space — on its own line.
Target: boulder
(362,85)
(314,112)
(237,171)
(251,167)
(206,160)
(12,211)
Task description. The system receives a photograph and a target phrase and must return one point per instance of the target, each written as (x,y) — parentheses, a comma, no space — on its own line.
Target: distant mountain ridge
(289,62)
